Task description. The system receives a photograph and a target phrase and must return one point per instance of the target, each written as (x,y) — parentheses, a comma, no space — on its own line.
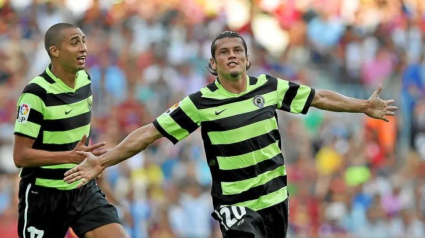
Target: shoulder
(38,86)
(267,78)
(208,90)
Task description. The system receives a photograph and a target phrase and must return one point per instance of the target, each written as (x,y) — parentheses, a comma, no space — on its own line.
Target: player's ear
(248,63)
(213,64)
(54,51)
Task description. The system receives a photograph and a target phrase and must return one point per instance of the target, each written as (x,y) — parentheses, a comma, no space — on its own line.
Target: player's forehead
(72,33)
(229,43)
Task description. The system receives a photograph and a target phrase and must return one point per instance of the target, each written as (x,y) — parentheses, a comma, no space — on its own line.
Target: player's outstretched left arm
(92,166)
(374,107)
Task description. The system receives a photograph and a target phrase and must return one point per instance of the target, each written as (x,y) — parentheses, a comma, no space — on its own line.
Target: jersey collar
(58,80)
(220,87)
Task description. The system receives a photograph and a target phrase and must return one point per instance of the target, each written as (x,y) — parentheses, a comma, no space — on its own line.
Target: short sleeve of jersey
(293,97)
(30,110)
(180,120)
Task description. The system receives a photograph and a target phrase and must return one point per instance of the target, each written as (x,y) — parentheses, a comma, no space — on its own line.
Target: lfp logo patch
(24,111)
(172,108)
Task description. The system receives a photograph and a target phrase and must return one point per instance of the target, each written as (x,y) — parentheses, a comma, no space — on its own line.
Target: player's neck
(67,77)
(234,85)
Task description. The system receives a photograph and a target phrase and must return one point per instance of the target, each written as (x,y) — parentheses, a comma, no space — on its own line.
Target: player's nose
(83,48)
(232,55)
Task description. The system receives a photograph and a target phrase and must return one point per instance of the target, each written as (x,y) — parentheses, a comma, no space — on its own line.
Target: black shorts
(241,222)
(48,213)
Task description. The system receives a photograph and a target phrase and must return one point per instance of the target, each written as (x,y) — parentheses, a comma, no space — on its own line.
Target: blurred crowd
(349,176)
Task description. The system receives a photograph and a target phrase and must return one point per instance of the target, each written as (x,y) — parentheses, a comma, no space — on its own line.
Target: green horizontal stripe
(187,106)
(60,166)
(27,128)
(33,101)
(220,95)
(266,201)
(243,133)
(61,87)
(171,127)
(65,137)
(58,112)
(230,188)
(300,99)
(58,184)
(282,88)
(236,108)
(41,82)
(248,159)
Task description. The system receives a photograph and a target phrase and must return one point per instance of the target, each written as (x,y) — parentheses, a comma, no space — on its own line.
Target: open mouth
(81,59)
(231,64)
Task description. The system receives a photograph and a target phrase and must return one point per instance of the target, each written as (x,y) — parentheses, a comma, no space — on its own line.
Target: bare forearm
(133,144)
(36,158)
(332,101)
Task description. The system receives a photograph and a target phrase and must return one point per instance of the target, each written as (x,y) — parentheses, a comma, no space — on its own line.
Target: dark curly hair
(225,34)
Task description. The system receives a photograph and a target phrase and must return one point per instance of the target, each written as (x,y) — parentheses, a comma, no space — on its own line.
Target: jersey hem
(24,135)
(309,101)
(164,133)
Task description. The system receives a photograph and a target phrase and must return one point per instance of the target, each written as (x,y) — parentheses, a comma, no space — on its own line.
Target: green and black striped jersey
(57,117)
(241,137)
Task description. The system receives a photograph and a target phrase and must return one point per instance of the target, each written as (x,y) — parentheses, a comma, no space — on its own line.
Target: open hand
(378,108)
(81,146)
(88,170)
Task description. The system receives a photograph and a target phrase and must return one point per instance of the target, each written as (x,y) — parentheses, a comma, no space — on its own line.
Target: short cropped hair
(53,35)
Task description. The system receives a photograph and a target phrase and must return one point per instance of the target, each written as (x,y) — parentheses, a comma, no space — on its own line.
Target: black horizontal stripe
(35,117)
(69,97)
(47,77)
(67,124)
(211,102)
(56,147)
(253,80)
(50,173)
(252,171)
(309,101)
(36,90)
(289,96)
(164,133)
(246,146)
(183,120)
(212,87)
(239,120)
(255,192)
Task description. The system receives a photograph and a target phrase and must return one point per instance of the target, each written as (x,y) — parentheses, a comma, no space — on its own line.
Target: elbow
(19,159)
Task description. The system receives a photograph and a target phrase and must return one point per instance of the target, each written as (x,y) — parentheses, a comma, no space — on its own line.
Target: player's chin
(80,67)
(234,73)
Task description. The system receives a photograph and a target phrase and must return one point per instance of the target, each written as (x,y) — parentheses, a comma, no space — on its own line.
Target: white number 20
(35,233)
(230,216)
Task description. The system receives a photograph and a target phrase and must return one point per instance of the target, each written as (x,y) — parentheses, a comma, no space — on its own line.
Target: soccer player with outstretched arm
(237,116)
(53,123)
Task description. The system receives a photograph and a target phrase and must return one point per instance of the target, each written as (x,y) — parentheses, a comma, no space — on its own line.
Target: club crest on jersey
(259,101)
(89,103)
(172,108)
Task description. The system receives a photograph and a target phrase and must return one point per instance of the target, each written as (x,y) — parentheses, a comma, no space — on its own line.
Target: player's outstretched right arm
(175,124)
(25,156)
(92,166)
